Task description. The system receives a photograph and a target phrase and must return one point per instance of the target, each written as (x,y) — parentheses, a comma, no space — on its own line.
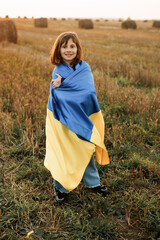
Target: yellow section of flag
(67,156)
(98,138)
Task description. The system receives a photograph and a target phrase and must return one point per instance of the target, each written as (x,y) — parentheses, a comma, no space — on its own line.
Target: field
(126,70)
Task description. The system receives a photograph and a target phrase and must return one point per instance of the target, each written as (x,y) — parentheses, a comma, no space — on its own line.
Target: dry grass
(118,91)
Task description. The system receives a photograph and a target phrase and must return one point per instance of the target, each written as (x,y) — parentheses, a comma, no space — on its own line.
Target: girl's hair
(55,53)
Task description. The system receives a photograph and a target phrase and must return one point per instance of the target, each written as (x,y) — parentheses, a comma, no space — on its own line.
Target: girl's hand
(56,82)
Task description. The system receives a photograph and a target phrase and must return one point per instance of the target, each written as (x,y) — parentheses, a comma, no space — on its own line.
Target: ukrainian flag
(74,126)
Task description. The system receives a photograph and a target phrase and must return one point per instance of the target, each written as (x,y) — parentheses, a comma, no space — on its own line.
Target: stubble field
(126,70)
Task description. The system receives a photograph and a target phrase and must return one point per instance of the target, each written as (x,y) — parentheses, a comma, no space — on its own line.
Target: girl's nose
(68,49)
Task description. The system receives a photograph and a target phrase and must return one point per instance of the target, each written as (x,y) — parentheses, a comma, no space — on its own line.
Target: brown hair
(55,53)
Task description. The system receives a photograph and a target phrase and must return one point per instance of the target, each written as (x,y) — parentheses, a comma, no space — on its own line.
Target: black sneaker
(59,197)
(100,189)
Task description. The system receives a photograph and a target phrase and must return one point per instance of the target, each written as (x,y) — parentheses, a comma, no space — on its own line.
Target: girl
(74,124)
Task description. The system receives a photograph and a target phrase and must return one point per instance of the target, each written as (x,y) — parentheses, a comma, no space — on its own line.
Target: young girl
(74,123)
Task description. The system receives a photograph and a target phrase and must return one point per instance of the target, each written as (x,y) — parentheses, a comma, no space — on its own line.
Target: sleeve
(62,79)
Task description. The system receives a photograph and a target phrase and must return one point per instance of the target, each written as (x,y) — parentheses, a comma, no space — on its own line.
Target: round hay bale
(41,22)
(120,20)
(8,31)
(129,24)
(86,23)
(156,24)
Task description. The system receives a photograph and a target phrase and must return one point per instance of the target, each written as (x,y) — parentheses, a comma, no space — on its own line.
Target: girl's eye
(71,46)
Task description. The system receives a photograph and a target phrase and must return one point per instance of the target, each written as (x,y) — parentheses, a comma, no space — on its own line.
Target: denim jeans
(90,177)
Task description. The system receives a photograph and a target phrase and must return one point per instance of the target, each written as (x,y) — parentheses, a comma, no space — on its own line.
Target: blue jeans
(90,177)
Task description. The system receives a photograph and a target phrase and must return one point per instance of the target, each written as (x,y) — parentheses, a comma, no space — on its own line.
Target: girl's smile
(68,51)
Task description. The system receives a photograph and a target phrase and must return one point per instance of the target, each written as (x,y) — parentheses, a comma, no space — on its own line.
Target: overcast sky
(136,9)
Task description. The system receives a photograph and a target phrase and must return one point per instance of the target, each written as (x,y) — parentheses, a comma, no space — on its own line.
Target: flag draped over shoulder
(74,126)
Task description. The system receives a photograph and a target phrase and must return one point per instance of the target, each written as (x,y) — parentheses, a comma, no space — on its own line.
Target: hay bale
(120,20)
(41,22)
(86,23)
(8,31)
(156,24)
(129,24)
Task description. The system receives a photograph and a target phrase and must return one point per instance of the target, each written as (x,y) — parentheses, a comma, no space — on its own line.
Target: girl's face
(68,51)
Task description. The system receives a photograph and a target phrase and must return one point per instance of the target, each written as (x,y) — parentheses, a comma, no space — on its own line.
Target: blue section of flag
(75,100)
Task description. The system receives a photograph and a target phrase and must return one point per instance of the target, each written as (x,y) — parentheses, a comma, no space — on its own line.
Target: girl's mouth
(68,55)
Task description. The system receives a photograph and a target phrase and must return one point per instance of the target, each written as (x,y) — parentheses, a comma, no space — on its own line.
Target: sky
(108,9)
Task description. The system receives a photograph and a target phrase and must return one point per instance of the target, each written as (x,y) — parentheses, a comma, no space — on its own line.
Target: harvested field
(126,69)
